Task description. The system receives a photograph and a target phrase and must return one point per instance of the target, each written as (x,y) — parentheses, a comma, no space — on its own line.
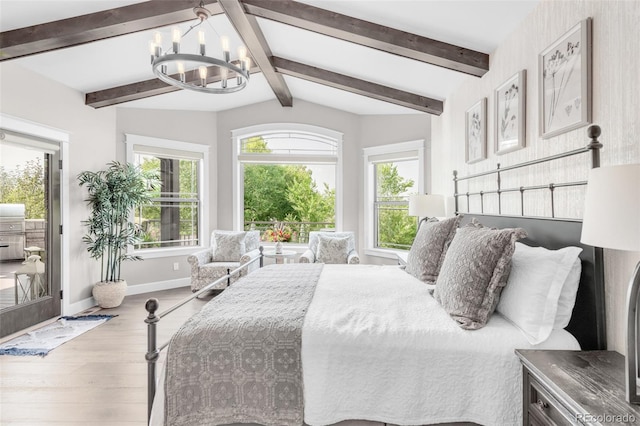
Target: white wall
(616,85)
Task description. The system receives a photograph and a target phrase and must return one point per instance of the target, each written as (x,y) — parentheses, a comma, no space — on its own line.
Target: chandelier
(199,72)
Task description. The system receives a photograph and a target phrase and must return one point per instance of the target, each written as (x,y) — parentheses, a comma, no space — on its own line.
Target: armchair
(331,247)
(229,250)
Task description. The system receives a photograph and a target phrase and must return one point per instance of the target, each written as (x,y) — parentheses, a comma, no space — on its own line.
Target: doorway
(30,219)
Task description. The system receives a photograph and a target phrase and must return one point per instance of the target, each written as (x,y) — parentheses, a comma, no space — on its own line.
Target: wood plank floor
(98,378)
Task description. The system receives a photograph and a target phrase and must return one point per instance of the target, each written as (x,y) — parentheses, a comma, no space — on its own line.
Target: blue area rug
(42,340)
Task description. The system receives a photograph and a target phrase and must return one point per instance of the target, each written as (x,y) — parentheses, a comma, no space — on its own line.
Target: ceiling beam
(98,26)
(149,88)
(360,87)
(372,35)
(249,31)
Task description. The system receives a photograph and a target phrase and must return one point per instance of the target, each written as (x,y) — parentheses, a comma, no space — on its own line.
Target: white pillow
(568,296)
(530,298)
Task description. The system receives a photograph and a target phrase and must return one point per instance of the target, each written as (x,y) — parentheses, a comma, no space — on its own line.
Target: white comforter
(377,346)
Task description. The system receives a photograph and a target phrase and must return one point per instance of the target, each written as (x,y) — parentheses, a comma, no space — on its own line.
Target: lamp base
(632,367)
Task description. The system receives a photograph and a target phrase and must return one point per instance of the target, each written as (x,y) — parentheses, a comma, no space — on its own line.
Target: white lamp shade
(426,205)
(612,208)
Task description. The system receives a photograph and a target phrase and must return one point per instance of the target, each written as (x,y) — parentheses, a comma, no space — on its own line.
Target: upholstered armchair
(331,247)
(229,249)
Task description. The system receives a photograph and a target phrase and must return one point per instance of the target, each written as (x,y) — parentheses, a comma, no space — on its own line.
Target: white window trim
(238,183)
(203,228)
(369,187)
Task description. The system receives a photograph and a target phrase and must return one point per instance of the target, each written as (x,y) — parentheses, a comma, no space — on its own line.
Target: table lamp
(612,220)
(426,206)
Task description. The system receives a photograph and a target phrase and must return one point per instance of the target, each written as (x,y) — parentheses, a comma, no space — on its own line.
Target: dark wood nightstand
(575,388)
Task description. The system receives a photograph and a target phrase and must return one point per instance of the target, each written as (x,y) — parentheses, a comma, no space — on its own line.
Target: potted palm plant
(113,193)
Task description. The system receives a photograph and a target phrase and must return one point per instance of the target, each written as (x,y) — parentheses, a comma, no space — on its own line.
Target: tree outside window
(299,195)
(394,228)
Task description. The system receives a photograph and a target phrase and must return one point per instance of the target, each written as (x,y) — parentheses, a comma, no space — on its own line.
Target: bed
(361,344)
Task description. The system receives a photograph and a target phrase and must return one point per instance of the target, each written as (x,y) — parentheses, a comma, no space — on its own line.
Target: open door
(30,218)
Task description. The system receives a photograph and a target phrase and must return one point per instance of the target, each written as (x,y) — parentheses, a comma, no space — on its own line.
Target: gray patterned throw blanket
(239,359)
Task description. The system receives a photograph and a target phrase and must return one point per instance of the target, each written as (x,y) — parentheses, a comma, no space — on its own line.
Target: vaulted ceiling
(363,56)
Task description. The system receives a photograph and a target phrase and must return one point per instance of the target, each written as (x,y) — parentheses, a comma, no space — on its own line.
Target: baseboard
(83,305)
(157,286)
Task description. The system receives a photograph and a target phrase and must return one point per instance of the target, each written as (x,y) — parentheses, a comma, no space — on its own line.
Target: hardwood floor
(98,378)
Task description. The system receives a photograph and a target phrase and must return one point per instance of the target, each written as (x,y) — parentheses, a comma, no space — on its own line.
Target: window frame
(238,135)
(371,156)
(203,196)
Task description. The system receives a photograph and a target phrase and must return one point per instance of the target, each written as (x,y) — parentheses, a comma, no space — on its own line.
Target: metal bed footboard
(152,305)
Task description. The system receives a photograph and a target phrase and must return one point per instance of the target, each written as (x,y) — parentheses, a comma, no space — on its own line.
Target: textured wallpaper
(615,107)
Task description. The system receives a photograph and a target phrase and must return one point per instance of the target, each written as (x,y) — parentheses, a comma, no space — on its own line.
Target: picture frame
(510,113)
(476,132)
(564,75)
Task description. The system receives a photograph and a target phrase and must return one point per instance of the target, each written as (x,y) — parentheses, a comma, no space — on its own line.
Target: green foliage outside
(25,185)
(271,193)
(396,229)
(285,193)
(150,214)
(288,193)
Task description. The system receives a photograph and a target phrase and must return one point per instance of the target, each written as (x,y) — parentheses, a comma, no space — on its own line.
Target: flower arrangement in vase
(278,233)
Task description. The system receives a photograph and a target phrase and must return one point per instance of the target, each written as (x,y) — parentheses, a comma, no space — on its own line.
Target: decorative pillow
(332,249)
(568,294)
(474,271)
(429,248)
(314,239)
(227,246)
(530,298)
(252,240)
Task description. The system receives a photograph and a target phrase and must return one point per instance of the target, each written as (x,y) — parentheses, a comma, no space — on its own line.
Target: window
(174,219)
(393,172)
(286,173)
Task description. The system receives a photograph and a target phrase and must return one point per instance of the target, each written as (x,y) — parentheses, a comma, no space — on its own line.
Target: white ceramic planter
(109,294)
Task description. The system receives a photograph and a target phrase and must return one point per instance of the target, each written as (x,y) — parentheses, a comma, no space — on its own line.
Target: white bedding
(377,346)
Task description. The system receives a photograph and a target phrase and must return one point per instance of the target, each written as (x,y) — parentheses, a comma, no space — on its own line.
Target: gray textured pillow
(474,272)
(228,246)
(332,250)
(429,248)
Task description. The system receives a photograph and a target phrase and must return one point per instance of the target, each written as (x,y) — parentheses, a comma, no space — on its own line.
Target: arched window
(287,176)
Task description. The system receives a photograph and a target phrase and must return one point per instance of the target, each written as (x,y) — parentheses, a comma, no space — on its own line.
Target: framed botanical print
(565,82)
(510,101)
(476,132)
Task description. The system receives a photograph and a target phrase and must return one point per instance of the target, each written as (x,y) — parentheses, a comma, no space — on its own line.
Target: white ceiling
(475,24)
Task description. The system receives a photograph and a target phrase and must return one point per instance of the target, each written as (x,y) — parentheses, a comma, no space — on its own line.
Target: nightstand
(575,388)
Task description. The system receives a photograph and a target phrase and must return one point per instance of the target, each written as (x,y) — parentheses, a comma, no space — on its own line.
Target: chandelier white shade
(196,70)
(426,205)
